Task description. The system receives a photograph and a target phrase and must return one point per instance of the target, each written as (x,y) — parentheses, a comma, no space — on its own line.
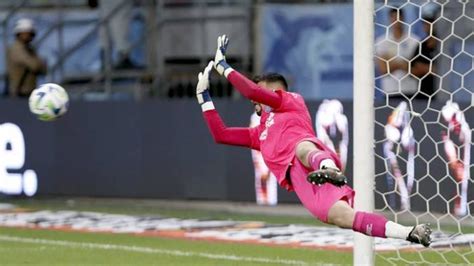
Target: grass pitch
(29,246)
(47,247)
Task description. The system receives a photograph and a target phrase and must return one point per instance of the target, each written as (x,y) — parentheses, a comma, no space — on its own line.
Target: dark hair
(398,11)
(272,77)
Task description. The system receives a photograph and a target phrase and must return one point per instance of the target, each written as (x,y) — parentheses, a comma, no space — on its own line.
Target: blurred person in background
(457,148)
(117,28)
(421,66)
(393,53)
(332,128)
(399,136)
(23,63)
(265,181)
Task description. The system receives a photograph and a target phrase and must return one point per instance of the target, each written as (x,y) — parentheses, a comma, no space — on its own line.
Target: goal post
(413,124)
(364,88)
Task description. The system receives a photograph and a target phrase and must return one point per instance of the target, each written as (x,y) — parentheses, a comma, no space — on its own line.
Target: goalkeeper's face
(258,108)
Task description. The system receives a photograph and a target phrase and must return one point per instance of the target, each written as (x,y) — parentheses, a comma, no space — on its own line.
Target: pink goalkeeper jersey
(279,132)
(280,129)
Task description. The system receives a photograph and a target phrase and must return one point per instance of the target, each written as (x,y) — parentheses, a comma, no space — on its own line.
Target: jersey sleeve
(255,137)
(237,136)
(252,91)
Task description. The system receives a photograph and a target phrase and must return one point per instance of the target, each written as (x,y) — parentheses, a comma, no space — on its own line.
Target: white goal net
(424,109)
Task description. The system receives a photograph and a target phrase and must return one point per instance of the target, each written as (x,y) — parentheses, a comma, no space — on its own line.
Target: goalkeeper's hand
(202,88)
(219,60)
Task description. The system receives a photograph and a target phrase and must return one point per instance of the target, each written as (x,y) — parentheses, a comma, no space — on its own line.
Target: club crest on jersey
(267,109)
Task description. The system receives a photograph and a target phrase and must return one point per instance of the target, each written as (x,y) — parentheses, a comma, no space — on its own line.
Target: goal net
(424,117)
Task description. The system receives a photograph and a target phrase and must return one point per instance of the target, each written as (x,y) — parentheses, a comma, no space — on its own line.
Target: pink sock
(315,157)
(370,224)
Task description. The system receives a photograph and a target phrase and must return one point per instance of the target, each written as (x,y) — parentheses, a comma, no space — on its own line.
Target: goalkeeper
(300,161)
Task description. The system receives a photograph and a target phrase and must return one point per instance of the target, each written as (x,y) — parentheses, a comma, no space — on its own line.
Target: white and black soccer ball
(49,101)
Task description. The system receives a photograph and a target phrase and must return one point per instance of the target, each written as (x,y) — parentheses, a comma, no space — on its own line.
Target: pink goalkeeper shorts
(317,199)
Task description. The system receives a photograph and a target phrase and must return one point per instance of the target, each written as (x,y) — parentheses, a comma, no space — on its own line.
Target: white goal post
(364,87)
(413,118)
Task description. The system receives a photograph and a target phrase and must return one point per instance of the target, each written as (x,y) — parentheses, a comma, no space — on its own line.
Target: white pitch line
(147,250)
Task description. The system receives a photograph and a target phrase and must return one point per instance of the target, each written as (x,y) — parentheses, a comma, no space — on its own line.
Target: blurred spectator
(421,64)
(23,64)
(393,54)
(118,29)
(332,128)
(399,136)
(457,142)
(266,185)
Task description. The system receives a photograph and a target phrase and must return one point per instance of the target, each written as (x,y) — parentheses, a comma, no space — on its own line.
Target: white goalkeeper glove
(202,88)
(219,60)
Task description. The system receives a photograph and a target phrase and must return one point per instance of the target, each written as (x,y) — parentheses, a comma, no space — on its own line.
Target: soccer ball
(49,101)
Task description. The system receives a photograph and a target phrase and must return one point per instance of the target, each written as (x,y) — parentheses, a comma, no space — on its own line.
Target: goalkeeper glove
(219,61)
(202,89)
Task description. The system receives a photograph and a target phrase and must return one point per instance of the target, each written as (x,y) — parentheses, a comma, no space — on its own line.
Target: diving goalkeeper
(289,146)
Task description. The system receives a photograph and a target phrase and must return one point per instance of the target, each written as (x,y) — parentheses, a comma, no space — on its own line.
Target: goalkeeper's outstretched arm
(238,136)
(245,86)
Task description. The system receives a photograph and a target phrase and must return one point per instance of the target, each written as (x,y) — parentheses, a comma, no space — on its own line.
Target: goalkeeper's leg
(331,201)
(323,162)
(371,224)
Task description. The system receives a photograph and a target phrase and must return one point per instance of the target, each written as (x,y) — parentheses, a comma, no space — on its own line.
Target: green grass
(427,257)
(17,253)
(13,252)
(29,247)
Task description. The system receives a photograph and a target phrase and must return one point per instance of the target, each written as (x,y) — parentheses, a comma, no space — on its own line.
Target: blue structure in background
(311,45)
(77,25)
